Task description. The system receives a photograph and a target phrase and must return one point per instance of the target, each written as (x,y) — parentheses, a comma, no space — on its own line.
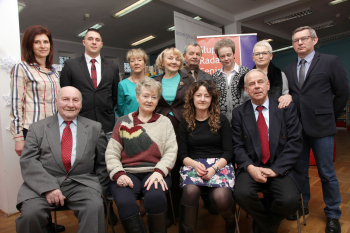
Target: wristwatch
(215,168)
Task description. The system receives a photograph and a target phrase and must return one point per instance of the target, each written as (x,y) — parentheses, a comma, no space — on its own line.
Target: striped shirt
(33,93)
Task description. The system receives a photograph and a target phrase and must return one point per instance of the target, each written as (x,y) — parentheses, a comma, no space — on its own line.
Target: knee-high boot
(157,223)
(188,219)
(134,224)
(229,217)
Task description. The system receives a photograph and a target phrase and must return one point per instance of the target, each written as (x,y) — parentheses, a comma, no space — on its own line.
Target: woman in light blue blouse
(127,103)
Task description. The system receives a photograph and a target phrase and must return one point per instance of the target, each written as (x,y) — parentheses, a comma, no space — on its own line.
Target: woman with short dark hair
(205,149)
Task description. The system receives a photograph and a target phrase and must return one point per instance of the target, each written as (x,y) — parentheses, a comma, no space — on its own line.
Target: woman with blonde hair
(205,149)
(127,103)
(139,156)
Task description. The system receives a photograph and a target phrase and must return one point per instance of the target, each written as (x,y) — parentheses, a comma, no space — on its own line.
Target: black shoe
(209,207)
(333,226)
(294,216)
(134,224)
(51,228)
(188,218)
(157,223)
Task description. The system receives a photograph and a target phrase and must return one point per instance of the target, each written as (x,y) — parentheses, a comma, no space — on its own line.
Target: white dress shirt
(265,113)
(97,65)
(73,128)
(232,73)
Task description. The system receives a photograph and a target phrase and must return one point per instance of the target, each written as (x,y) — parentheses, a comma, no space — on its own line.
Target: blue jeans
(323,152)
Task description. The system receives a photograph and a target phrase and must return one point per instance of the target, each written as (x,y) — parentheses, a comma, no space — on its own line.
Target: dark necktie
(264,138)
(93,73)
(67,146)
(302,72)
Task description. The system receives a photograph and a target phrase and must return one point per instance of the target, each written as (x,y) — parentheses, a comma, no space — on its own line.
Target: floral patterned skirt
(225,177)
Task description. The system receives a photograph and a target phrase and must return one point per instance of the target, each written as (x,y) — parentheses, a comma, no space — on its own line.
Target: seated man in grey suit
(192,55)
(267,142)
(61,168)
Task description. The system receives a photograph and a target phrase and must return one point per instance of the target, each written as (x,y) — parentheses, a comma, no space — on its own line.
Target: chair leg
(236,219)
(55,220)
(302,206)
(298,221)
(108,217)
(172,207)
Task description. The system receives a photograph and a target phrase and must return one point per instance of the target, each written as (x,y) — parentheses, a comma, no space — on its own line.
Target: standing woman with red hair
(34,85)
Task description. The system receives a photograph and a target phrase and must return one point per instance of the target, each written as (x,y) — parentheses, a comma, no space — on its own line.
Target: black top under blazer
(317,110)
(98,104)
(285,139)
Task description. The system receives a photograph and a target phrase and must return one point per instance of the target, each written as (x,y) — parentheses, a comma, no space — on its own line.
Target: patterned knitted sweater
(138,147)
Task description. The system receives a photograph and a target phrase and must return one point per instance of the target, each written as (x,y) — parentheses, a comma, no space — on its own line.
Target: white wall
(10,175)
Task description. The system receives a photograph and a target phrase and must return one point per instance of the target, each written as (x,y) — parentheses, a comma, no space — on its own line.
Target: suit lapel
(82,136)
(275,117)
(295,75)
(312,66)
(53,137)
(83,66)
(252,127)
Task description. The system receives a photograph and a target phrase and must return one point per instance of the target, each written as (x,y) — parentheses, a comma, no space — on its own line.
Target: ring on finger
(156,179)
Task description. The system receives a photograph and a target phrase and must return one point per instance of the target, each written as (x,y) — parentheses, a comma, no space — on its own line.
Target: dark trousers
(125,197)
(285,198)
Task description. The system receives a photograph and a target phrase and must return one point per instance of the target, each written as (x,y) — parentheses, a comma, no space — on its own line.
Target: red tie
(93,73)
(264,138)
(66,146)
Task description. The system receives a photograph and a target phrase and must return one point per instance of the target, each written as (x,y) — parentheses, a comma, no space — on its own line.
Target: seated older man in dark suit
(61,168)
(267,142)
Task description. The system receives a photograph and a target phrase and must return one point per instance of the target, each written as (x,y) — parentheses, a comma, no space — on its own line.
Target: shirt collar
(36,65)
(60,120)
(308,58)
(137,121)
(88,58)
(235,69)
(266,104)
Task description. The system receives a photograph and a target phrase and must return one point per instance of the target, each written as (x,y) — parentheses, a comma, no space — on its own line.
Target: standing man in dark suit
(192,55)
(97,79)
(267,143)
(63,163)
(314,79)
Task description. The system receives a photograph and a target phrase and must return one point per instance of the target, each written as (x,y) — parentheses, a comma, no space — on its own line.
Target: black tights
(220,198)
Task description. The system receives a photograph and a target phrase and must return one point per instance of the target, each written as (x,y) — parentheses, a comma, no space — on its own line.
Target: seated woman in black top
(205,149)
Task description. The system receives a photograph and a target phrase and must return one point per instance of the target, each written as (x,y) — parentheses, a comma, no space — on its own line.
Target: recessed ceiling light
(268,40)
(143,40)
(171,29)
(289,17)
(335,2)
(131,8)
(197,18)
(21,6)
(334,37)
(324,25)
(96,26)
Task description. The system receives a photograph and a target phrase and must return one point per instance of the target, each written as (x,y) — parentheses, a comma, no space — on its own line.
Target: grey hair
(311,30)
(253,70)
(193,43)
(226,42)
(263,43)
(150,84)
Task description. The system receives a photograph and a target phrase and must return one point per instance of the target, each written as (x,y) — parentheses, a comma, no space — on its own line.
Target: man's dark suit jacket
(285,139)
(178,105)
(98,104)
(41,161)
(317,111)
(201,75)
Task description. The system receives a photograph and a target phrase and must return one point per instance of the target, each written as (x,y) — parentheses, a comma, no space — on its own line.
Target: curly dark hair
(213,110)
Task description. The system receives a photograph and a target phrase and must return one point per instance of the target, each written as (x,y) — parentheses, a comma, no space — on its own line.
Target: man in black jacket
(267,143)
(97,79)
(314,79)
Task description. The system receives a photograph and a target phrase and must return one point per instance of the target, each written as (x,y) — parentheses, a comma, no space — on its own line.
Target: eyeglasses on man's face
(265,53)
(303,39)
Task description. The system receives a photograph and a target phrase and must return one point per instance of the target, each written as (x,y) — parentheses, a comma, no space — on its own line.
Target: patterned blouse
(33,93)
(229,99)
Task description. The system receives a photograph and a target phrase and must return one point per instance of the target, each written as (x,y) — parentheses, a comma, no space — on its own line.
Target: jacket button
(284,136)
(245,136)
(248,151)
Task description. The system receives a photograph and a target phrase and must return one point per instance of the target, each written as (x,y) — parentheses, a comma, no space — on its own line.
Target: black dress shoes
(333,226)
(51,228)
(294,216)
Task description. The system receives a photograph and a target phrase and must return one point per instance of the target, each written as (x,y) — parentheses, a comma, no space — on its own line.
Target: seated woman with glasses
(139,157)
(262,56)
(205,149)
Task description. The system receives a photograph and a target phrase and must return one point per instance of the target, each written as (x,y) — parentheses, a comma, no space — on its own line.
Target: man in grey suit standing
(60,168)
(192,55)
